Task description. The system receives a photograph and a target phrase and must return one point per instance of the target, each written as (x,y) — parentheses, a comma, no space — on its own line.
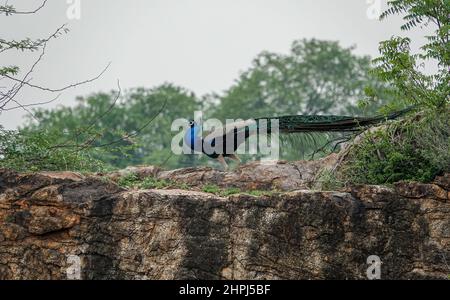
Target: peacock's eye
(191,123)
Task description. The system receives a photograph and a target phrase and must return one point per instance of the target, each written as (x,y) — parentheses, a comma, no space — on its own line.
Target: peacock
(229,137)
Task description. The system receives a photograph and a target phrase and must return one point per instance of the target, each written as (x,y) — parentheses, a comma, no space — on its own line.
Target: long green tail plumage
(305,123)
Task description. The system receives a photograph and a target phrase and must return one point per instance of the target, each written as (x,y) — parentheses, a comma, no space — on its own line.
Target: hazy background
(199,44)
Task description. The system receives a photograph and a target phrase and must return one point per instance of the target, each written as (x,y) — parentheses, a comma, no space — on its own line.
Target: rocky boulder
(280,175)
(53,225)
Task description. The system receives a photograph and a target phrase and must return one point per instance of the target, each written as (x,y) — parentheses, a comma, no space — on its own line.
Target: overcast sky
(199,44)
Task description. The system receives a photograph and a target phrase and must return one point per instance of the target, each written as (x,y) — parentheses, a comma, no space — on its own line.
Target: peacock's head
(194,126)
(192,134)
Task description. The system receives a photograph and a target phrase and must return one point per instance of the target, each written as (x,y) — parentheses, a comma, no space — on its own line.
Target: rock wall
(47,219)
(282,175)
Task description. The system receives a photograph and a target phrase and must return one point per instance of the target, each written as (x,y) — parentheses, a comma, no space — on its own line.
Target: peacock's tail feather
(304,123)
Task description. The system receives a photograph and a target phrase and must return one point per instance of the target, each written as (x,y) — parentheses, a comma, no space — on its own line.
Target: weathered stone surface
(281,175)
(178,234)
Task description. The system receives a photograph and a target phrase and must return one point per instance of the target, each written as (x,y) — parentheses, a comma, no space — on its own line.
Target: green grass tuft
(132,180)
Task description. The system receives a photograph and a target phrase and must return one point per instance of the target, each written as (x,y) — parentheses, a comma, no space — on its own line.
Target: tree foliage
(316,77)
(37,150)
(42,148)
(414,149)
(417,148)
(402,69)
(135,129)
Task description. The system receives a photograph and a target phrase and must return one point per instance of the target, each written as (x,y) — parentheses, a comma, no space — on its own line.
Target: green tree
(12,84)
(316,77)
(417,148)
(35,150)
(402,69)
(132,129)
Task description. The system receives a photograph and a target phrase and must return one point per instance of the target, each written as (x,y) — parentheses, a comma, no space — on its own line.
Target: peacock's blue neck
(191,137)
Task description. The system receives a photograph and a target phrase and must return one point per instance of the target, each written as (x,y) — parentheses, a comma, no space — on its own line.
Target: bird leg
(223,162)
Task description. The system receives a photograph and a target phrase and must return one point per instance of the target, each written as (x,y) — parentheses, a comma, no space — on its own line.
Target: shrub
(417,149)
(38,151)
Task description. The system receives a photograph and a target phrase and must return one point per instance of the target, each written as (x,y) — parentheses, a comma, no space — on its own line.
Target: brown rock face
(284,176)
(48,219)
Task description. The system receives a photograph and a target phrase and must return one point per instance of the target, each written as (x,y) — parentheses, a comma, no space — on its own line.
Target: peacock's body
(227,139)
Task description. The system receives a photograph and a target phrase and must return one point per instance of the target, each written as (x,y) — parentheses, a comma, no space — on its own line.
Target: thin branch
(166,160)
(63,88)
(89,143)
(24,80)
(25,109)
(9,96)
(9,10)
(119,93)
(92,123)
(136,133)
(33,104)
(339,140)
(32,45)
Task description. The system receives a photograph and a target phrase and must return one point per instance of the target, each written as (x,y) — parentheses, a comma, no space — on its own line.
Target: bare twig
(136,133)
(339,140)
(33,104)
(92,124)
(63,88)
(25,109)
(12,93)
(9,10)
(126,136)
